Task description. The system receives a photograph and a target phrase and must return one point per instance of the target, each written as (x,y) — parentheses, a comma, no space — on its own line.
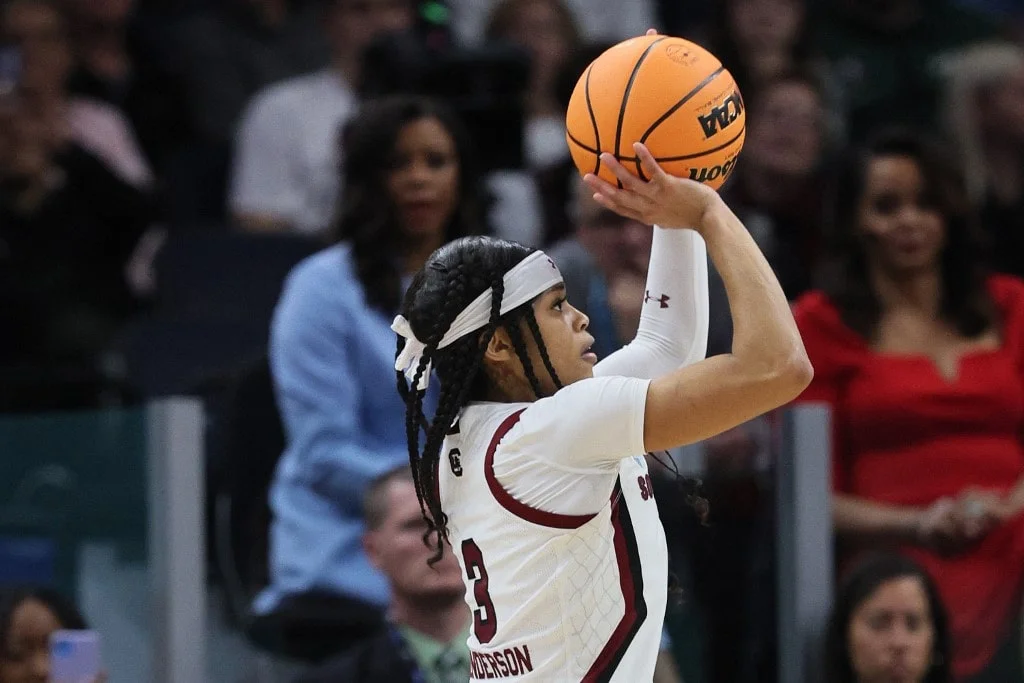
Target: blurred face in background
(898,216)
(27,142)
(39,33)
(1001,110)
(103,12)
(423,179)
(890,635)
(352,25)
(396,547)
(785,132)
(617,244)
(759,25)
(25,657)
(539,27)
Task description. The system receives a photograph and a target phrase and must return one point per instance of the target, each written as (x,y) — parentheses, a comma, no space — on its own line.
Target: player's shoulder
(480,422)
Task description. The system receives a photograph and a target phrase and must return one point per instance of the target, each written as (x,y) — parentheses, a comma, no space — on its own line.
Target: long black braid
(453,283)
(519,345)
(536,331)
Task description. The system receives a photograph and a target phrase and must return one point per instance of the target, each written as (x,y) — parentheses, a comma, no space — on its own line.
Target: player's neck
(506,387)
(440,622)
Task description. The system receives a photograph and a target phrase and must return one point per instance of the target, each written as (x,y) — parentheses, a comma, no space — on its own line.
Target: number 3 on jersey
(485,622)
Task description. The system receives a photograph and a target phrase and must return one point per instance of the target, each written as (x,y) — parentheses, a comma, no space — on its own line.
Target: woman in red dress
(920,355)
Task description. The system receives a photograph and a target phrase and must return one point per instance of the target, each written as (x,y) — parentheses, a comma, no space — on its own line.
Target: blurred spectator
(920,356)
(599,20)
(117,64)
(886,57)
(985,120)
(39,31)
(605,268)
(776,189)
(547,31)
(410,187)
(888,624)
(68,227)
(226,54)
(558,183)
(1007,9)
(236,48)
(426,637)
(288,147)
(28,617)
(760,40)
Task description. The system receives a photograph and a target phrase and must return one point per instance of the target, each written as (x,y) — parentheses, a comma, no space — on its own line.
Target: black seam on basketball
(686,98)
(683,157)
(579,144)
(722,146)
(625,97)
(593,122)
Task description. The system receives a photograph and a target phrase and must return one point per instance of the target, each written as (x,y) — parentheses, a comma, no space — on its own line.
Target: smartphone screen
(74,656)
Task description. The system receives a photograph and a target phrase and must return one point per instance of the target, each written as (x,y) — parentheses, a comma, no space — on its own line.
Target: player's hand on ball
(665,200)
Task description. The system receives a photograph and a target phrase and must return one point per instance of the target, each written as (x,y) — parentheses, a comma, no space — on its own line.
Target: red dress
(905,435)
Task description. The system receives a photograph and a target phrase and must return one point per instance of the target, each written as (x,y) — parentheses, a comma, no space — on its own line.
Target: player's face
(891,635)
(396,547)
(424,179)
(564,331)
(25,657)
(899,220)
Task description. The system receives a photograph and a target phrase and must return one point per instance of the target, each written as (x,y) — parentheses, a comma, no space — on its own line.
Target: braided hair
(452,278)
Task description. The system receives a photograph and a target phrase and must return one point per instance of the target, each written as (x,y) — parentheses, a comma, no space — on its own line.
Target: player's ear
(500,348)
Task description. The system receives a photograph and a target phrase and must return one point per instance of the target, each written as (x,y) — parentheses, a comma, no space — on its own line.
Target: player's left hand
(664,200)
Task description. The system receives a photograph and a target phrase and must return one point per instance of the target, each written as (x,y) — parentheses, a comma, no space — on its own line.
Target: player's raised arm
(673,329)
(768,366)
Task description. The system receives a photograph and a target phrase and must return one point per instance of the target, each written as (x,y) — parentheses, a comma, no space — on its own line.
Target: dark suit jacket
(376,660)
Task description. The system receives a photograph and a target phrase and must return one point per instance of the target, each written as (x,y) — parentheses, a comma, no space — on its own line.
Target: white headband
(532,276)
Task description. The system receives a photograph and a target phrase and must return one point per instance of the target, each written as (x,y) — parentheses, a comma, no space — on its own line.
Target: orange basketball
(668,93)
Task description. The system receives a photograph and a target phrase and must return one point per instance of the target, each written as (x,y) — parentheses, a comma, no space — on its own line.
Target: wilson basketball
(668,93)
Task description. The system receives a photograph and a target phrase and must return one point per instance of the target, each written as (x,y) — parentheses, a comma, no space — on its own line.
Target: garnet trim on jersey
(631,581)
(507,501)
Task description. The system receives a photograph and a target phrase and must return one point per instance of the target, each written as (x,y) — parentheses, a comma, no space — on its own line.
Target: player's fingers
(652,32)
(652,169)
(614,198)
(613,203)
(625,178)
(598,184)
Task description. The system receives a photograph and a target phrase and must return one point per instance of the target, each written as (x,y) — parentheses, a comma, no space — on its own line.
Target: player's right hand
(663,200)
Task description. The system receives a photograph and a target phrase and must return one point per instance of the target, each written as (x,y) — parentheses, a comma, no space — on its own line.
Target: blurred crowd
(228,197)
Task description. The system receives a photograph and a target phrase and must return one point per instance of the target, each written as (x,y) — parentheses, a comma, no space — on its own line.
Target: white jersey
(552,517)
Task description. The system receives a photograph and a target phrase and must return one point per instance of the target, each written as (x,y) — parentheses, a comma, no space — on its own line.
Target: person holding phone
(35,622)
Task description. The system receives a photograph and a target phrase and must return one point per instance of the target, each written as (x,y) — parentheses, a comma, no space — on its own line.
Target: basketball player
(533,465)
